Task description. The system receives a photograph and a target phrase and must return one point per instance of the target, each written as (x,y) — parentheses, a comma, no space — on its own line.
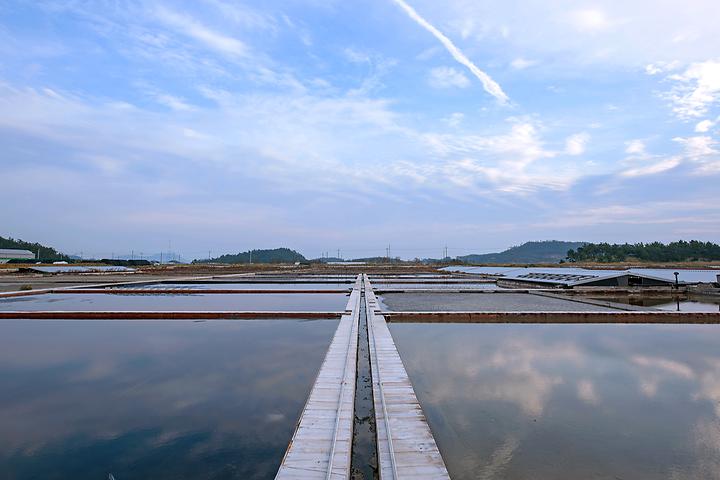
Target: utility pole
(132,254)
(338,254)
(250,257)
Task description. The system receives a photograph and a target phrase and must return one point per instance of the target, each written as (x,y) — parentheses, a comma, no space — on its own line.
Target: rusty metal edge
(555,317)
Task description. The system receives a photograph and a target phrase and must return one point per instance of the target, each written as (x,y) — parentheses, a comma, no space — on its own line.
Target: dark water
(293,302)
(555,402)
(684,304)
(363,462)
(160,400)
(521,302)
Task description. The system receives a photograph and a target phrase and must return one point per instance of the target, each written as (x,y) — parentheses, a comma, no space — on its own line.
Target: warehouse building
(9,254)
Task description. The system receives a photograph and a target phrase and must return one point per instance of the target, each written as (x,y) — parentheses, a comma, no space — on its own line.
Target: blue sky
(323,125)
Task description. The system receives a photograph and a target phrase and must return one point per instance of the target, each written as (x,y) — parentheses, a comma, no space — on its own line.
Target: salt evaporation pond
(548,402)
(520,302)
(694,304)
(289,302)
(241,286)
(160,400)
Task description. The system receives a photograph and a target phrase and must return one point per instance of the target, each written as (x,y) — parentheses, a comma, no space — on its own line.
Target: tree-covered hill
(550,251)
(275,255)
(46,253)
(680,251)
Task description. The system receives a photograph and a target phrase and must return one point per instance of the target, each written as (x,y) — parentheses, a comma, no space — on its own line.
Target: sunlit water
(153,400)
(554,402)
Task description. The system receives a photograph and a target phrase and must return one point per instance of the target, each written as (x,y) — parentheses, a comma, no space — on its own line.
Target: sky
(215,126)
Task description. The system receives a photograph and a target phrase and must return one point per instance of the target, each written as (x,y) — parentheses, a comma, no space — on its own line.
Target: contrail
(488,83)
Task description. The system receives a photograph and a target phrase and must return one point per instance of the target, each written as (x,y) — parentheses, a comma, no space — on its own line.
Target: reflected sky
(503,302)
(285,302)
(679,304)
(157,400)
(246,286)
(549,402)
(436,286)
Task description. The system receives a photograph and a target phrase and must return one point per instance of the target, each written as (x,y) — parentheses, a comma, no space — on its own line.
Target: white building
(8,254)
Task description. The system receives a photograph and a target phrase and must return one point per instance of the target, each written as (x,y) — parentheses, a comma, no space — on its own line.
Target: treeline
(46,253)
(681,251)
(275,255)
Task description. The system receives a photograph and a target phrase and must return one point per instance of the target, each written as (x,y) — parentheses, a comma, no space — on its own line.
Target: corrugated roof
(15,251)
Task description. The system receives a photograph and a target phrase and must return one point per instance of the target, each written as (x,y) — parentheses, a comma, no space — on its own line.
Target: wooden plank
(406,446)
(556,317)
(320,447)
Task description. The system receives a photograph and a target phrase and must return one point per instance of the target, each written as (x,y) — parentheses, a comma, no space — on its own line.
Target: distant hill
(46,253)
(550,251)
(275,255)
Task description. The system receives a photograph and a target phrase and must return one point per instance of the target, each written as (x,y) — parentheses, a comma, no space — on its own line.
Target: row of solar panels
(572,275)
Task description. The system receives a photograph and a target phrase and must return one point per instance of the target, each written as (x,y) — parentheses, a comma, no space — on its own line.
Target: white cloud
(661,67)
(173,102)
(635,148)
(696,90)
(447,77)
(243,15)
(188,26)
(701,151)
(576,144)
(586,392)
(454,119)
(699,146)
(704,126)
(589,20)
(521,63)
(488,83)
(629,34)
(652,168)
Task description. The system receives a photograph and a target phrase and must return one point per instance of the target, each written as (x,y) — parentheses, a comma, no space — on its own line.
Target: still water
(491,302)
(556,402)
(244,286)
(286,302)
(160,400)
(678,304)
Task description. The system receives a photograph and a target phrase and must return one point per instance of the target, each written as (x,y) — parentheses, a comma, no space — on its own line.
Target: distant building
(8,254)
(559,277)
(571,278)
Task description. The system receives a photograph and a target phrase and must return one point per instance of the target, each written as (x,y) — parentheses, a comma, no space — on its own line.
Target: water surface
(291,302)
(244,286)
(160,400)
(520,302)
(556,402)
(677,304)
